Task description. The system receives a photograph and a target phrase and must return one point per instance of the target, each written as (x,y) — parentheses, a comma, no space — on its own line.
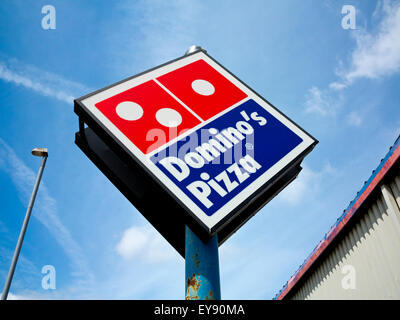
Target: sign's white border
(210,222)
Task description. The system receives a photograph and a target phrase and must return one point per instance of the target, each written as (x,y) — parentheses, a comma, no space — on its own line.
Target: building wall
(366,256)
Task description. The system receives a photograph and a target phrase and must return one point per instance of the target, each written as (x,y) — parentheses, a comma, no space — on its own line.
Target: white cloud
(42,82)
(318,102)
(307,183)
(12,296)
(337,85)
(133,241)
(377,54)
(144,243)
(45,211)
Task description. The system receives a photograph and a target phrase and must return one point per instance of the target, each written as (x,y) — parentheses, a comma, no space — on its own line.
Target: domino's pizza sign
(208,139)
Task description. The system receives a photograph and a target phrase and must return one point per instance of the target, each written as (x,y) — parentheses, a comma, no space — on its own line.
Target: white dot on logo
(168,117)
(203,87)
(129,110)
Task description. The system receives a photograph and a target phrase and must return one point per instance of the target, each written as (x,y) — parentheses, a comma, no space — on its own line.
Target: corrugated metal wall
(367,256)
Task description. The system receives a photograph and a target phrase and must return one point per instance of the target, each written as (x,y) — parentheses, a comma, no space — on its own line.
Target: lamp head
(40,152)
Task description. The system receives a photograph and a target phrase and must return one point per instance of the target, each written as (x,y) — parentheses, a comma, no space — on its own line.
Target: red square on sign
(203,89)
(147,115)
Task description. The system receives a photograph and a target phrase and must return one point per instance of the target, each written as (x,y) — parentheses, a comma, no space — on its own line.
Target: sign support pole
(201,267)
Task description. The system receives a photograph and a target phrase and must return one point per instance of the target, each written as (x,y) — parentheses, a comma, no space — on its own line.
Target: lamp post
(38,152)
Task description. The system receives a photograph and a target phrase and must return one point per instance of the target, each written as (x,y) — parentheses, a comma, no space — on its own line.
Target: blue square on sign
(215,163)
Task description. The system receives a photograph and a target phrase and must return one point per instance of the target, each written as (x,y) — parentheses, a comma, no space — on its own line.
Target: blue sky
(341,85)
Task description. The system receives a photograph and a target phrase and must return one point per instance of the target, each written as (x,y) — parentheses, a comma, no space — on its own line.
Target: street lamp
(38,152)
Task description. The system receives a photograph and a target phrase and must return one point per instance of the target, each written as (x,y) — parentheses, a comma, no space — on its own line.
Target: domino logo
(180,99)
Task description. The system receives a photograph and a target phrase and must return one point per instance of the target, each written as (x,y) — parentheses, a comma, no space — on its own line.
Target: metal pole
(201,259)
(201,268)
(23,230)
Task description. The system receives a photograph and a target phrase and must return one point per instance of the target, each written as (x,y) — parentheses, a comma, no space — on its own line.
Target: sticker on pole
(208,139)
